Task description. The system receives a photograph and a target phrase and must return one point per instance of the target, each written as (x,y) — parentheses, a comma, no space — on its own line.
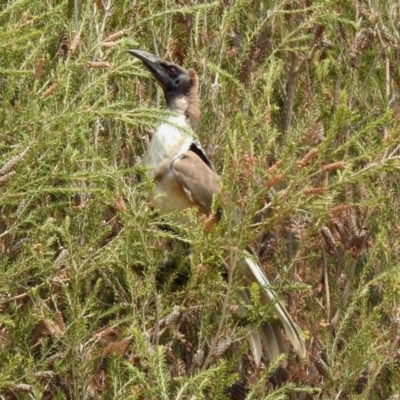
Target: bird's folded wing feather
(199,181)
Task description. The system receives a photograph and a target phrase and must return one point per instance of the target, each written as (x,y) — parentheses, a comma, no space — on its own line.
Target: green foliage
(98,299)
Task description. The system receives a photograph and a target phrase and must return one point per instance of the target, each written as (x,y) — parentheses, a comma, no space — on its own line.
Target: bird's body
(185,177)
(166,146)
(174,161)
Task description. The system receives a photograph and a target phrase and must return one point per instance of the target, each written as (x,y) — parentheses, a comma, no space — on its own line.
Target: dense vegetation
(300,114)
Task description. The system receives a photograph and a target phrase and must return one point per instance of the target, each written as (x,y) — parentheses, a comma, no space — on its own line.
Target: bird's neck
(187,104)
(186,107)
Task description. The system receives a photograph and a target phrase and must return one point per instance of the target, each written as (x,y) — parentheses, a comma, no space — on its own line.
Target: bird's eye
(172,72)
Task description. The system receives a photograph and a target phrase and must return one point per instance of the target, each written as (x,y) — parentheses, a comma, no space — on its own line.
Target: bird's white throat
(170,138)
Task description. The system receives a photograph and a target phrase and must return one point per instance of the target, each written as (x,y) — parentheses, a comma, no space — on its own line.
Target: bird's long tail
(269,334)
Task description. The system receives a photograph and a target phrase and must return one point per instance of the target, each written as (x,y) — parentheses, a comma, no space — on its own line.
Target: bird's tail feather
(266,335)
(270,334)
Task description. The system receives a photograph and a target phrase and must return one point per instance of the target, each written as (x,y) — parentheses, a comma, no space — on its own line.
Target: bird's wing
(197,178)
(252,272)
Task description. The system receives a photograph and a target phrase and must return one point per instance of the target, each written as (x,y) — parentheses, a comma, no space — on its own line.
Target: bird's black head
(173,79)
(180,86)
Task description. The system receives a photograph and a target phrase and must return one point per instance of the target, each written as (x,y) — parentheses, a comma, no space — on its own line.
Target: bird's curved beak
(154,64)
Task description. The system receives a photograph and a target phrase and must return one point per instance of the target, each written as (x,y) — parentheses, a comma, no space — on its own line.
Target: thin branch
(290,90)
(230,267)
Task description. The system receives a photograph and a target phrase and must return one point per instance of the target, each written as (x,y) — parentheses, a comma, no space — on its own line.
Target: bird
(185,177)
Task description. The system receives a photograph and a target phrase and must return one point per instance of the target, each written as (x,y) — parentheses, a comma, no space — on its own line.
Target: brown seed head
(221,347)
(342,280)
(53,329)
(315,191)
(119,347)
(5,178)
(12,162)
(108,334)
(328,237)
(321,366)
(119,203)
(198,358)
(306,160)
(98,64)
(39,67)
(22,388)
(275,180)
(74,43)
(316,134)
(50,90)
(45,374)
(117,35)
(274,167)
(171,318)
(108,44)
(60,321)
(334,166)
(364,39)
(338,210)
